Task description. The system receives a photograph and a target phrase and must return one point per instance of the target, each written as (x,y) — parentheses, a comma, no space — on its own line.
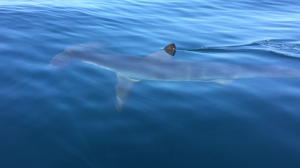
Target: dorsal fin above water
(164,55)
(170,49)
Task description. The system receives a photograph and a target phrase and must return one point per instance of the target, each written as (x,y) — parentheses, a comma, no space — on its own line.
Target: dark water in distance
(67,118)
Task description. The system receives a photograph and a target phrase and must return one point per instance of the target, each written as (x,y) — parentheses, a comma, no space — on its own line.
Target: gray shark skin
(160,66)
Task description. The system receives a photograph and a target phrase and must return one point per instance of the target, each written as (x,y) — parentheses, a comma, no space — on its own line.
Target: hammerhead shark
(160,66)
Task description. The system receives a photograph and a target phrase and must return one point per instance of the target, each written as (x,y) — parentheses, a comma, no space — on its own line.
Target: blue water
(67,118)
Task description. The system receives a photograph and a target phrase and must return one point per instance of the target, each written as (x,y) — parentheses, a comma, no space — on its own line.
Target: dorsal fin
(164,55)
(170,49)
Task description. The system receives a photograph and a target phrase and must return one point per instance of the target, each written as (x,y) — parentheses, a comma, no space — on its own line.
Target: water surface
(67,118)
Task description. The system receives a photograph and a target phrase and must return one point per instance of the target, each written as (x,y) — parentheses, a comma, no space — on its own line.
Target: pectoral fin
(122,88)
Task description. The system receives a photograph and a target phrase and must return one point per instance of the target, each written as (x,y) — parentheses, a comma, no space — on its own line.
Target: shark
(161,66)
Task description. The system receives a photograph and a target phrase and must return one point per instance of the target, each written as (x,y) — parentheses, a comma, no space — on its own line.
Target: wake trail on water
(282,47)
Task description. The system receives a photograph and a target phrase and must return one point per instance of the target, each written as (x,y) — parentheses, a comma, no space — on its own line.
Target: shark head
(61,60)
(72,52)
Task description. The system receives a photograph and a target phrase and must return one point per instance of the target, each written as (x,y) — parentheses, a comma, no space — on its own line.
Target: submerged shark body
(160,66)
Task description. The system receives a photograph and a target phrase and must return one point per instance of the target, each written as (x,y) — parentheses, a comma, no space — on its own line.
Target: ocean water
(67,117)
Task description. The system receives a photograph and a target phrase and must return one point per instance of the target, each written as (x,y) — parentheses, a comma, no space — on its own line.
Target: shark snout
(59,61)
